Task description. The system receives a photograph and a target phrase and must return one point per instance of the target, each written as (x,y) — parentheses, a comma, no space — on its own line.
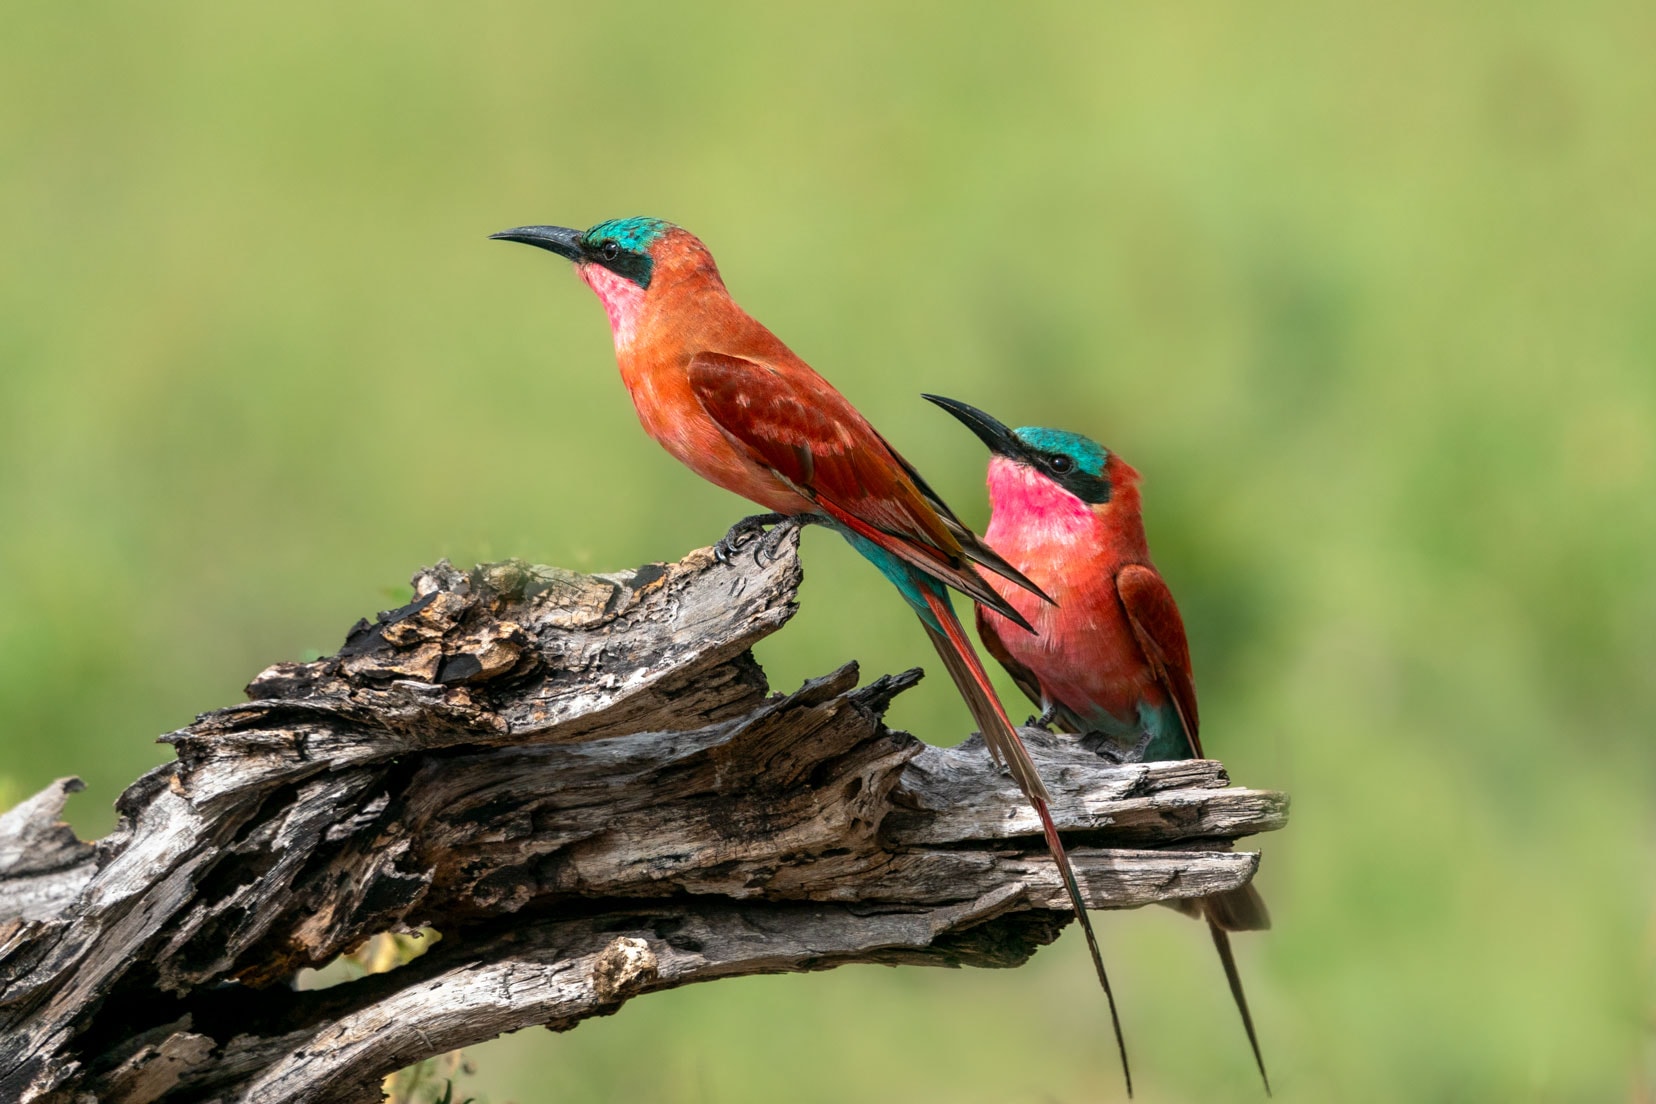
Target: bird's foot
(1044,720)
(1111,754)
(1111,750)
(770,545)
(746,531)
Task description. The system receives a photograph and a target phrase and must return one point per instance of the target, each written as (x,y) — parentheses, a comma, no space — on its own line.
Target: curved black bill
(1001,441)
(559,239)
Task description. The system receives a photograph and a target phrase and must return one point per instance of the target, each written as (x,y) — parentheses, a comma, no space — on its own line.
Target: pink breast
(1034,517)
(1082,651)
(623,301)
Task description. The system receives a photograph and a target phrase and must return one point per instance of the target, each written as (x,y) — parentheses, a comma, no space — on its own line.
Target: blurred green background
(1365,293)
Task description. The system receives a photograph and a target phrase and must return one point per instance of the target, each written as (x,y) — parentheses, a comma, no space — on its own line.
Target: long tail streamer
(1221,943)
(1008,748)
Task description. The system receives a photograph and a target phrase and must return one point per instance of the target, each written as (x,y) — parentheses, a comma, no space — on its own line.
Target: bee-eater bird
(1108,654)
(724,396)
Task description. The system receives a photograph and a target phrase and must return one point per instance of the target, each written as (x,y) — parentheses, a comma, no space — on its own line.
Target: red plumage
(1159,632)
(1112,650)
(735,405)
(1086,656)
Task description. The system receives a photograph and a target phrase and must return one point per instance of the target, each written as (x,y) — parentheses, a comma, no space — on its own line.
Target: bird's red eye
(610,251)
(1060,464)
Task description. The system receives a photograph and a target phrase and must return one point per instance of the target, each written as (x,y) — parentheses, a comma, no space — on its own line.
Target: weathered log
(584,784)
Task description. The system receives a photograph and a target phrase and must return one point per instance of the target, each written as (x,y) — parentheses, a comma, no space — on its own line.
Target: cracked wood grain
(585,784)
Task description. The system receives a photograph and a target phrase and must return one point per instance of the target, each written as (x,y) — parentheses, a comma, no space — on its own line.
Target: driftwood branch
(583,783)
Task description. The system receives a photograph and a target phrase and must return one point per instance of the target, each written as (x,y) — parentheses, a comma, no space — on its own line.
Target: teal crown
(1089,456)
(633,235)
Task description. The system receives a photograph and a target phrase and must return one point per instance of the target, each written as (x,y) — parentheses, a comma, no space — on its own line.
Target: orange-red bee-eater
(1108,654)
(733,404)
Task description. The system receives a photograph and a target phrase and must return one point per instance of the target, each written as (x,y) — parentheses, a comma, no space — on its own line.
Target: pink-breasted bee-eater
(1108,654)
(731,402)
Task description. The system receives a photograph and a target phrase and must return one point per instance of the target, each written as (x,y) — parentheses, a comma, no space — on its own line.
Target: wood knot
(623,967)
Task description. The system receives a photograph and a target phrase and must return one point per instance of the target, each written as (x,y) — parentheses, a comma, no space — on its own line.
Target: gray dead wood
(584,783)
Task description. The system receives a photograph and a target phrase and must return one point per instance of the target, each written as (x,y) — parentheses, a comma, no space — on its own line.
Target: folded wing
(789,419)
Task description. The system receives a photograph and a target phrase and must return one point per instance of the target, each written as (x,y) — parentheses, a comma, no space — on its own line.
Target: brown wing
(1160,633)
(790,420)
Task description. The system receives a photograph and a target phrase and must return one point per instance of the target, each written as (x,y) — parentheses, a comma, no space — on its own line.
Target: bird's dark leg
(1107,750)
(1046,717)
(743,531)
(772,541)
(753,527)
(1105,746)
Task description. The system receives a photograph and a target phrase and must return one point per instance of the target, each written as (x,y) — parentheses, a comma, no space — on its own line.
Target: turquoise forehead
(1089,455)
(635,235)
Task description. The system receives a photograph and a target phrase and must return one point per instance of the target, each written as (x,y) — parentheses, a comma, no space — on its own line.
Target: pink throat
(1029,509)
(623,301)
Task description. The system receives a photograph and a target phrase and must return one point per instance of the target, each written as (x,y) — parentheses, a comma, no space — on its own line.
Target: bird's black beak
(1001,441)
(559,239)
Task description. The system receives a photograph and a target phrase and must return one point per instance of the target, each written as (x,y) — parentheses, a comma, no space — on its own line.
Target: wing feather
(790,420)
(1160,633)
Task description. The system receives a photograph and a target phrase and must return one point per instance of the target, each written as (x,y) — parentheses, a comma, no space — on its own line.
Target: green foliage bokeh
(1365,293)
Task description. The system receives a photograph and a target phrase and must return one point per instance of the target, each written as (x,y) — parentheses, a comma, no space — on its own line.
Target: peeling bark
(582,782)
